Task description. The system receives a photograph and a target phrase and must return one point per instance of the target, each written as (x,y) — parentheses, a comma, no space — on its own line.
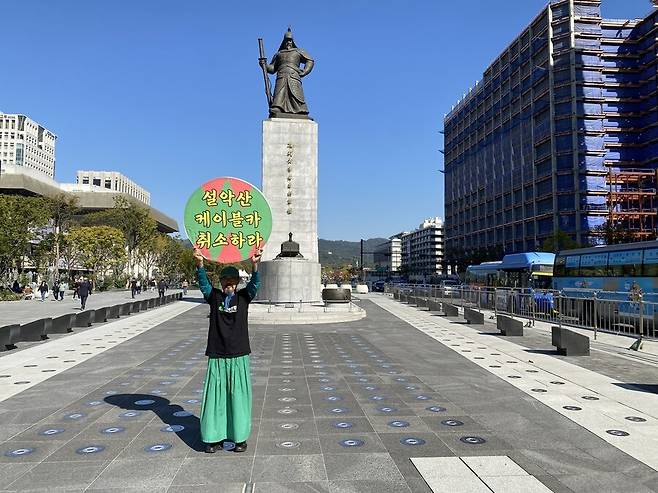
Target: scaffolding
(632,202)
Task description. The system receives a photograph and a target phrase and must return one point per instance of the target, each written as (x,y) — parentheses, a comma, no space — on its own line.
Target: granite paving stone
(336,408)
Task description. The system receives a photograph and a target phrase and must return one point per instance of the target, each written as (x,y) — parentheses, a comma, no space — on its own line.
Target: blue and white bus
(483,275)
(614,271)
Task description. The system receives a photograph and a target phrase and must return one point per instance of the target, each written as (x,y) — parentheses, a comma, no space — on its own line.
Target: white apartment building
(422,250)
(114,181)
(23,142)
(388,255)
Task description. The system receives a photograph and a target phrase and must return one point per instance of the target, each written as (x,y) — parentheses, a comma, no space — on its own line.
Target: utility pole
(361,266)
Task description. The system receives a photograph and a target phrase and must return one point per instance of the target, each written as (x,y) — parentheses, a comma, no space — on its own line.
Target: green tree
(23,222)
(558,242)
(614,233)
(63,209)
(132,219)
(100,248)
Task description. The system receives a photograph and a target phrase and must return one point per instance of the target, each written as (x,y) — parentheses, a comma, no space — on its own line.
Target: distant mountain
(338,253)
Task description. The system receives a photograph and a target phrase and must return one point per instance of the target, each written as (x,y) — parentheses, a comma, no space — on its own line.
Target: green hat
(229,272)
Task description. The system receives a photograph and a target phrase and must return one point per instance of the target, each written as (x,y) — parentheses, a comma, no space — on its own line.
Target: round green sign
(228,219)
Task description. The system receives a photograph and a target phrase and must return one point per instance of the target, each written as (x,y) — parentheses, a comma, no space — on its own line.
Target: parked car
(378,286)
(449,288)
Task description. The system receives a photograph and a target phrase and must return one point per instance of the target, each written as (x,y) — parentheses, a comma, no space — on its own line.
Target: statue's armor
(288,94)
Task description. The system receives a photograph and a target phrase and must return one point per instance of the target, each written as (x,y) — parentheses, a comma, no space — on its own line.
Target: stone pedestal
(290,183)
(289,280)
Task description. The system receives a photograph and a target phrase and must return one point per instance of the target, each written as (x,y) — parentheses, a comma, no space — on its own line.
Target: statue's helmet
(287,37)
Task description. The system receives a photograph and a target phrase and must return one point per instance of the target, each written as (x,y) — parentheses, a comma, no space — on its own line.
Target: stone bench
(473,317)
(569,343)
(144,305)
(85,318)
(336,295)
(396,295)
(9,335)
(450,310)
(434,306)
(101,315)
(404,298)
(150,303)
(412,300)
(37,330)
(136,307)
(112,312)
(157,302)
(63,324)
(509,326)
(124,309)
(422,302)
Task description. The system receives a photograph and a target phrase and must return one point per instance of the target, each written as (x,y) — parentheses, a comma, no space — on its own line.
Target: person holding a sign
(226,406)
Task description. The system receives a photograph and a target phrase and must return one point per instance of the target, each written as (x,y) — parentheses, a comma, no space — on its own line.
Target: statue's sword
(263,63)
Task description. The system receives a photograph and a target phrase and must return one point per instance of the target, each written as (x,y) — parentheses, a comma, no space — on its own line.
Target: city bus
(516,270)
(483,275)
(620,272)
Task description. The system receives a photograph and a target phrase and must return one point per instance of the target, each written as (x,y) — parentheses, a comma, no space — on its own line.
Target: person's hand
(256,256)
(198,258)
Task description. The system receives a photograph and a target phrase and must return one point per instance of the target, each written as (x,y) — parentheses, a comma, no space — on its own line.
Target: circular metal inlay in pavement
(172,428)
(617,433)
(572,408)
(387,409)
(412,441)
(51,432)
(352,442)
(635,419)
(539,390)
(343,425)
(19,452)
(183,414)
(144,402)
(338,410)
(112,430)
(398,424)
(287,410)
(157,447)
(289,426)
(452,422)
(473,440)
(130,414)
(288,444)
(590,398)
(90,449)
(436,409)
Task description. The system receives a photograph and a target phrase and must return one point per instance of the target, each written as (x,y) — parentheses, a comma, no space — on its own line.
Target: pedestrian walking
(63,288)
(43,290)
(138,286)
(226,406)
(56,290)
(133,287)
(83,292)
(162,287)
(76,289)
(184,286)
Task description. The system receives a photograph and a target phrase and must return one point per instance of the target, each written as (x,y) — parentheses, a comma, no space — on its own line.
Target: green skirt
(226,406)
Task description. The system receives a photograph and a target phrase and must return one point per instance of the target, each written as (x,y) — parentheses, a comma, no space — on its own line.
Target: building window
(108,184)
(96,182)
(85,180)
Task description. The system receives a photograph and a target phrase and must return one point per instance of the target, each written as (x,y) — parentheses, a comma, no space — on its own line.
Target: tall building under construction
(561,134)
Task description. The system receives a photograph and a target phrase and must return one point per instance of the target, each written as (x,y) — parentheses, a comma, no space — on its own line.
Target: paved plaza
(401,400)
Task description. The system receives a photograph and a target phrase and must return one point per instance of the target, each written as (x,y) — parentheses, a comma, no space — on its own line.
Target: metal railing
(616,313)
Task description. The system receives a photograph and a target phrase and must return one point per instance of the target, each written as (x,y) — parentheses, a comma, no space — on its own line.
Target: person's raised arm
(254,282)
(204,283)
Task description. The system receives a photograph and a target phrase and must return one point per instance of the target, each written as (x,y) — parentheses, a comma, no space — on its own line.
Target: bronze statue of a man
(288,96)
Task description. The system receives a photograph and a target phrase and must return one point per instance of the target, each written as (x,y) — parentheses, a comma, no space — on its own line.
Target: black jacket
(228,334)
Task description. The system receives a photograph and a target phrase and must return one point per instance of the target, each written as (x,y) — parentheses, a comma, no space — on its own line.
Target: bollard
(641,303)
(595,322)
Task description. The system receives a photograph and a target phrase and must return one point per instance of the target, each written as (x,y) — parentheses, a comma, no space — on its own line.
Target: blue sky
(170,93)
